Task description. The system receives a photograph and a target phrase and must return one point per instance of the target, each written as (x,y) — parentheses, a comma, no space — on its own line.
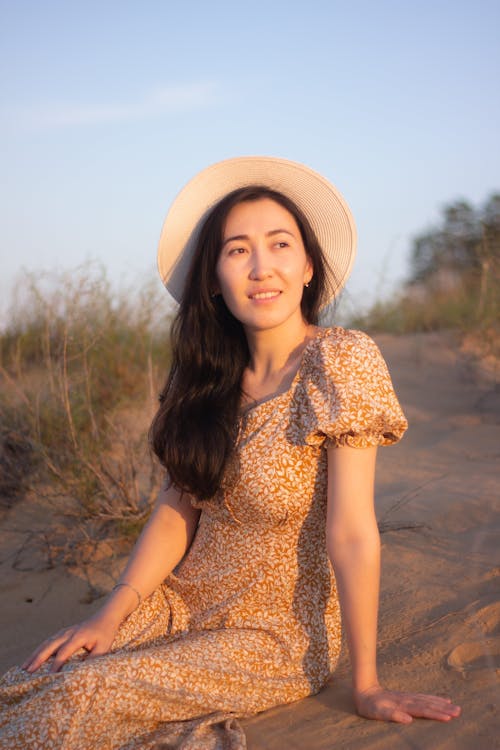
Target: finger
(36,652)
(422,702)
(66,651)
(43,652)
(401,717)
(435,700)
(438,714)
(55,638)
(449,709)
(98,650)
(437,709)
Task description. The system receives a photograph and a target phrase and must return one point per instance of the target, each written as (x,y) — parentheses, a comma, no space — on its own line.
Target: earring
(307,284)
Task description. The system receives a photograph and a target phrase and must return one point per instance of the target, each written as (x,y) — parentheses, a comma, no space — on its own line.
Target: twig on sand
(411,495)
(385,526)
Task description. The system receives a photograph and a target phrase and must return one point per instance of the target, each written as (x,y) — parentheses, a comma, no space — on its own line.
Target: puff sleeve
(349,394)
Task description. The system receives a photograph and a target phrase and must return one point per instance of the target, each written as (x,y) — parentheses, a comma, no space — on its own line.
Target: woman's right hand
(94,636)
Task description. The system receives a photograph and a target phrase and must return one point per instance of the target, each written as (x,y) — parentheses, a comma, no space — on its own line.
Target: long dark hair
(194,430)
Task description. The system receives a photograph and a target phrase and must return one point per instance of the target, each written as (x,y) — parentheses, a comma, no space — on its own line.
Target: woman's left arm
(354,549)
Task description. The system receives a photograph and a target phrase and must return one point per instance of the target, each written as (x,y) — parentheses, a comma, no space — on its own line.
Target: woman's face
(263,265)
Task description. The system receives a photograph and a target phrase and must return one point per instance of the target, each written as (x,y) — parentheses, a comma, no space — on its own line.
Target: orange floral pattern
(250,618)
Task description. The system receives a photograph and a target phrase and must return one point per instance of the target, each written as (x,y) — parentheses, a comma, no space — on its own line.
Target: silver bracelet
(129,585)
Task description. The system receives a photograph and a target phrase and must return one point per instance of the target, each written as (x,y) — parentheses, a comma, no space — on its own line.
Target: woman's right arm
(160,547)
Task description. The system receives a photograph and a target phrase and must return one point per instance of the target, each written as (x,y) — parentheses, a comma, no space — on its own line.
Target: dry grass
(80,369)
(471,305)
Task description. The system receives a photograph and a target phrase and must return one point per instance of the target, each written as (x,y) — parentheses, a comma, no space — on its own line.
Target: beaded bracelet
(129,585)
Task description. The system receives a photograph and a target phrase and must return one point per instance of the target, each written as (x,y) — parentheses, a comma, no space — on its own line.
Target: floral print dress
(250,618)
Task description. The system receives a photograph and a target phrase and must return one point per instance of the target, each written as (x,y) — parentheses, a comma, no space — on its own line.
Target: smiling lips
(271,294)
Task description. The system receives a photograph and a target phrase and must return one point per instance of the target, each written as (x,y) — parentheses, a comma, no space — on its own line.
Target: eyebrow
(268,234)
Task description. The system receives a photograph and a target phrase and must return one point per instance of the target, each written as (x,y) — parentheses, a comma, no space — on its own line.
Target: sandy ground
(438,507)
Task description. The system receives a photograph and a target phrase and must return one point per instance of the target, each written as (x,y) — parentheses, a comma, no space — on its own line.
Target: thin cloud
(156,103)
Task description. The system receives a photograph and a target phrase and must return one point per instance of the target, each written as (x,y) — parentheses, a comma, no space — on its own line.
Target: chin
(266,317)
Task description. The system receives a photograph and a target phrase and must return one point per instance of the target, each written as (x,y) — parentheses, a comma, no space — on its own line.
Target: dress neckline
(252,407)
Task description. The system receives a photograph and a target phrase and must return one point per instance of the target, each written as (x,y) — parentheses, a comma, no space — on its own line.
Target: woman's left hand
(388,705)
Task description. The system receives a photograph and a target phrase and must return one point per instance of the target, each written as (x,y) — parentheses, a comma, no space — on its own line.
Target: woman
(268,427)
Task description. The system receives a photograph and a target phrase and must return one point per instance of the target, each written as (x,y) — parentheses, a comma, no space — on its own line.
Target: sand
(438,508)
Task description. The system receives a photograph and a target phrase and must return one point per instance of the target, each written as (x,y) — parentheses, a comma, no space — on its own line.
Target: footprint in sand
(473,655)
(482,653)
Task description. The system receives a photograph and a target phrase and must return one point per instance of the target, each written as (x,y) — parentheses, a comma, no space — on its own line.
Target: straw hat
(322,204)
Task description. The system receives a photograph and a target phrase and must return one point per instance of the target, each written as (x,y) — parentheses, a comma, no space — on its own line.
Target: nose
(260,264)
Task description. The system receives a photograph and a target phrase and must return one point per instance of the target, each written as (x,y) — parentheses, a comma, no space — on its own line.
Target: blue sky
(107,108)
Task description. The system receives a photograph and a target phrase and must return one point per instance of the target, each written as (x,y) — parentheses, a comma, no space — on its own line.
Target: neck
(274,351)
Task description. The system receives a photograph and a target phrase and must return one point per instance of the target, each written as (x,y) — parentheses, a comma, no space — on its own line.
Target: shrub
(80,368)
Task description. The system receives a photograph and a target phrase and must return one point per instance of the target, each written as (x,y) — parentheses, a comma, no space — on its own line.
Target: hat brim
(322,204)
